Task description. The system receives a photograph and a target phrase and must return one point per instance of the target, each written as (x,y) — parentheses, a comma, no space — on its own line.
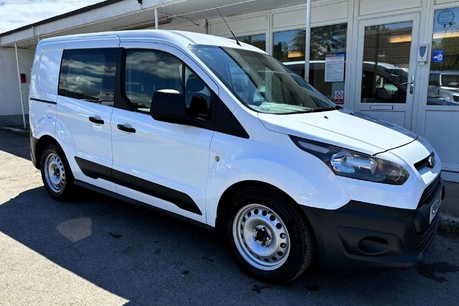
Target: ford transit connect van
(221,133)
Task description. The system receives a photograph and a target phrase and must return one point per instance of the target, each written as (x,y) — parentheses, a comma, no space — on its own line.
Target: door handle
(96,120)
(126,128)
(412,84)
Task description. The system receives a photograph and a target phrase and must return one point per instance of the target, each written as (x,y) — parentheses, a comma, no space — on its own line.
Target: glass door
(385,76)
(439,109)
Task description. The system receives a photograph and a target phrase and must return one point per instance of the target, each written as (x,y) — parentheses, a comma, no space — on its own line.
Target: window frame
(124,102)
(109,54)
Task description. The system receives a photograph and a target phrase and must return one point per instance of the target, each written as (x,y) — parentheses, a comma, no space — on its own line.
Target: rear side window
(89,74)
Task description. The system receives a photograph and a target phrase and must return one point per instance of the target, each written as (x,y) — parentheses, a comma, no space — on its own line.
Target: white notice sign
(334,67)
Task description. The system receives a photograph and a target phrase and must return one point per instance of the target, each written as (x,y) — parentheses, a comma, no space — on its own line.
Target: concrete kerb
(448,222)
(19,131)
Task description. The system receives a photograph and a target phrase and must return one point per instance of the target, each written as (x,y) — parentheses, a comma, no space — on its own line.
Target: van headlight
(354,164)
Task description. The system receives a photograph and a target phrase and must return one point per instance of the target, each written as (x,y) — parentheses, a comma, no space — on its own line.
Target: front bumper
(368,235)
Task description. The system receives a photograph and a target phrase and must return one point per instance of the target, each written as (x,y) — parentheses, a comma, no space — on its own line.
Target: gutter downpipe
(20,86)
(156,19)
(307,47)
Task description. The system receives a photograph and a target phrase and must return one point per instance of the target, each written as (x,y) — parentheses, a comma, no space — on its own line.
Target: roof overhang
(115,15)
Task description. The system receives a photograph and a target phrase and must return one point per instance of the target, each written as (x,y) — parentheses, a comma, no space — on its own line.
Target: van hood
(343,128)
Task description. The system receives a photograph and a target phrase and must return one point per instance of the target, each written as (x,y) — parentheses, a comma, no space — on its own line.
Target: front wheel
(55,172)
(267,236)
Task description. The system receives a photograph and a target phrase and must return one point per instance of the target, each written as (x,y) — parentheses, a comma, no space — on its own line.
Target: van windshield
(262,83)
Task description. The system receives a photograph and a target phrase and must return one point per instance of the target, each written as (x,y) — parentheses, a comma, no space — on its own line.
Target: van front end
(385,224)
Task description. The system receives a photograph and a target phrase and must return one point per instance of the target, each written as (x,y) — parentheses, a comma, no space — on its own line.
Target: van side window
(148,71)
(197,96)
(89,74)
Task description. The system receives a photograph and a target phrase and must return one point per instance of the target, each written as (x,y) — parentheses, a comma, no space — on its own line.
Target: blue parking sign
(438,56)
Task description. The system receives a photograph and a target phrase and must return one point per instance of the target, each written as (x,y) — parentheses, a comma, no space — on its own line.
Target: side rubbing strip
(180,199)
(94,170)
(44,101)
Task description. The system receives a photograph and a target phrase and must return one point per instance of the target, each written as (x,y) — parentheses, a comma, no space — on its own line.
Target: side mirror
(168,105)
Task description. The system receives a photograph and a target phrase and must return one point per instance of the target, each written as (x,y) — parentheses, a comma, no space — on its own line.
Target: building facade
(394,60)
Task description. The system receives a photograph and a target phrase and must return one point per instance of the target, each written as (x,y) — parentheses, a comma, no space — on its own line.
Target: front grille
(425,231)
(422,164)
(430,192)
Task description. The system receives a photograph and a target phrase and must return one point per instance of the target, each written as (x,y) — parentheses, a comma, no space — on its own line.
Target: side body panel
(43,89)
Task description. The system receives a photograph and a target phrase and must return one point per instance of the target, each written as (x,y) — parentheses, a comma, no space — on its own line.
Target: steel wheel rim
(55,173)
(261,237)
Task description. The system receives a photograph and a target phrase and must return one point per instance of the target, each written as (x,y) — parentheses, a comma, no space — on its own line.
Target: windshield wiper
(318,110)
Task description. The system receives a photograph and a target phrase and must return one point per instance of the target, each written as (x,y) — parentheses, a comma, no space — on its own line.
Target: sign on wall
(438,56)
(334,67)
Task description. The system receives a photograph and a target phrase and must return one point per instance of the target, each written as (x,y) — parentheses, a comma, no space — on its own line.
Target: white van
(222,134)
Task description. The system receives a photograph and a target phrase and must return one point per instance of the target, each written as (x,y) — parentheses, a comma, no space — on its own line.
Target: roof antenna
(237,41)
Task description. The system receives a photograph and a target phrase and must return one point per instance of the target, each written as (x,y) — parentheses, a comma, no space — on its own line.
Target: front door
(155,162)
(386,68)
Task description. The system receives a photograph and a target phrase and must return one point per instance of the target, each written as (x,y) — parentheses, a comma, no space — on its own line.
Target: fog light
(373,245)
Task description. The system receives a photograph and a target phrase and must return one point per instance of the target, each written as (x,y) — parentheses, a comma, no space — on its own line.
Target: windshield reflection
(262,83)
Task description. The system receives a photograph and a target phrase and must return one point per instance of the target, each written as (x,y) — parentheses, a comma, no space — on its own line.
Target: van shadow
(133,252)
(14,144)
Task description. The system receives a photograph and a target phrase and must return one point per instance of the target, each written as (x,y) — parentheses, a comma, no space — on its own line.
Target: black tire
(267,236)
(55,172)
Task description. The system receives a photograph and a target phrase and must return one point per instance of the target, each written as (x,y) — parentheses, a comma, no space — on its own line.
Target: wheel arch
(42,143)
(225,208)
(225,202)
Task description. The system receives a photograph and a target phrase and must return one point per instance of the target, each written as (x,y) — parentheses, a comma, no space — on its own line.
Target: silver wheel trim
(55,173)
(261,237)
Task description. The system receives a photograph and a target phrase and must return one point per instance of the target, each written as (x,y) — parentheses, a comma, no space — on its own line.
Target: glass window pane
(444,68)
(89,75)
(261,82)
(258,40)
(198,96)
(386,58)
(148,71)
(288,47)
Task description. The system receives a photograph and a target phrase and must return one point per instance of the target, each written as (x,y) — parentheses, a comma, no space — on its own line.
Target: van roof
(179,38)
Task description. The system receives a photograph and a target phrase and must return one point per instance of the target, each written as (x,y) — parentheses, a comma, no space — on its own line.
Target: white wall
(10,101)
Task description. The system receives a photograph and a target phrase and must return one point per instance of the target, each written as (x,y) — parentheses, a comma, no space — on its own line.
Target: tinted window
(434,80)
(450,80)
(89,74)
(148,71)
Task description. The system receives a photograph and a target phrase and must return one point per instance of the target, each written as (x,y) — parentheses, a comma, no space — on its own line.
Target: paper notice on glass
(334,67)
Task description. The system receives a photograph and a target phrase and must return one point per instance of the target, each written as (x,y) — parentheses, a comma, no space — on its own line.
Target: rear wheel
(55,172)
(267,236)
